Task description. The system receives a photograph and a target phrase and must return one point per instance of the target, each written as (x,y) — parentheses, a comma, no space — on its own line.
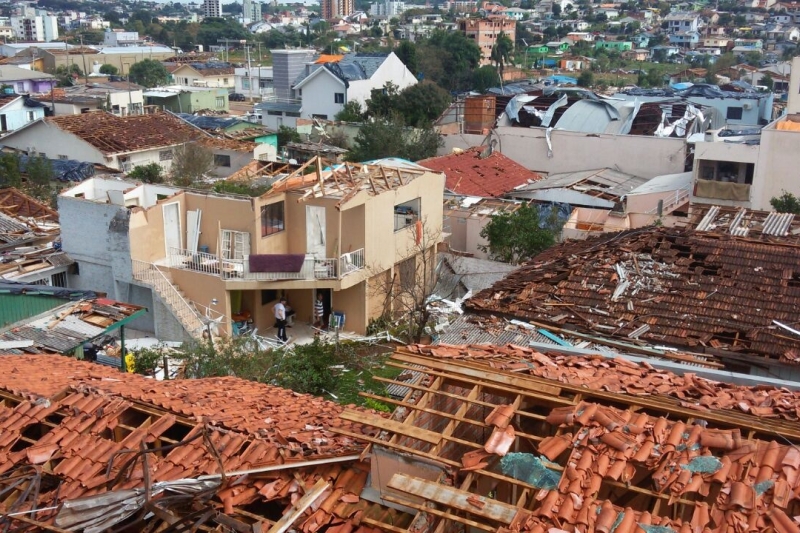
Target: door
(327,304)
(315,231)
(172,227)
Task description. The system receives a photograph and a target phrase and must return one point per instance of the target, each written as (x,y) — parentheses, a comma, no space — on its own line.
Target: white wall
(96,188)
(639,155)
(318,95)
(392,70)
(47,139)
(776,170)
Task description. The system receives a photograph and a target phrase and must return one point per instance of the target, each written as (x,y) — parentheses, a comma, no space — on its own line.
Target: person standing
(280,319)
(319,311)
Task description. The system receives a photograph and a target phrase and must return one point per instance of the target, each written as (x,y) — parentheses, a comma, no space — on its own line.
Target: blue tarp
(64,169)
(561,79)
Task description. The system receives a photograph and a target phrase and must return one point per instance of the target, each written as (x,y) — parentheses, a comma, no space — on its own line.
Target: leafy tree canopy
(351,112)
(388,136)
(149,73)
(407,53)
(520,235)
(786,203)
(110,70)
(287,135)
(150,173)
(484,78)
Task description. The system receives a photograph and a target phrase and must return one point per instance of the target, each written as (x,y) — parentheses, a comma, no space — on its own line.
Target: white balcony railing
(351,262)
(239,269)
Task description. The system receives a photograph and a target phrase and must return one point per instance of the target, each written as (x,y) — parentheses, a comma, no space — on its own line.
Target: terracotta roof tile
(691,289)
(470,174)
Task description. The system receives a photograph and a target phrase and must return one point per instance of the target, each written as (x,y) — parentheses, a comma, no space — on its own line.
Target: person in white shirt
(280,319)
(319,311)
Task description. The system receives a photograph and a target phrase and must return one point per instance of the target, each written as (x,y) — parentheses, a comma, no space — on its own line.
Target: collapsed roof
(90,447)
(583,111)
(706,291)
(506,439)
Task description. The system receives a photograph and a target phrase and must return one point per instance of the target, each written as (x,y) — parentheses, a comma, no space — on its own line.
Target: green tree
(389,136)
(448,58)
(520,235)
(586,79)
(484,78)
(407,53)
(786,203)
(148,73)
(287,135)
(39,171)
(556,10)
(767,81)
(10,175)
(110,70)
(501,52)
(66,75)
(150,173)
(422,103)
(190,162)
(383,101)
(351,112)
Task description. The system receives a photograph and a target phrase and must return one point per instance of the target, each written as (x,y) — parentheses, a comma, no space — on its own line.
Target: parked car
(236,97)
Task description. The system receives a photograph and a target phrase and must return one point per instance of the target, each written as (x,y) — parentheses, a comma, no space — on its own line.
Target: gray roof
(598,116)
(605,180)
(357,66)
(279,106)
(14,73)
(212,122)
(468,329)
(665,183)
(473,273)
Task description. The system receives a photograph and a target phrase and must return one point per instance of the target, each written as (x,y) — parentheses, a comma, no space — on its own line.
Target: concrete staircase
(170,293)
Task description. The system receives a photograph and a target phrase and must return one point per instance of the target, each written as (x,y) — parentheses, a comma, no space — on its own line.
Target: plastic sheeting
(706,464)
(656,529)
(536,471)
(94,514)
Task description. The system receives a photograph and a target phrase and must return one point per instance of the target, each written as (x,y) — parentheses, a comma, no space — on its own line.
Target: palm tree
(501,52)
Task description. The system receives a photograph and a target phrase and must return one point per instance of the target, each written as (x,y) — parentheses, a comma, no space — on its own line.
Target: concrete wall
(572,151)
(776,170)
(353,303)
(95,236)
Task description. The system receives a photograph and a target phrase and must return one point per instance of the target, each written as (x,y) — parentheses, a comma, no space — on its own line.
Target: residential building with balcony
(748,168)
(343,233)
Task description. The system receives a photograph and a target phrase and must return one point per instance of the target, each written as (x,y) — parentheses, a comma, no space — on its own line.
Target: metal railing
(681,196)
(149,274)
(206,263)
(351,262)
(239,269)
(313,268)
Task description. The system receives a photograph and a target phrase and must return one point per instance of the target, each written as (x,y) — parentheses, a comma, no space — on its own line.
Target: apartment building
(212,8)
(332,9)
(37,28)
(485,32)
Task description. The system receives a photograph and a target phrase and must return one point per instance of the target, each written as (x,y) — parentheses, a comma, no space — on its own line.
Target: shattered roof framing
(705,291)
(343,180)
(534,454)
(71,431)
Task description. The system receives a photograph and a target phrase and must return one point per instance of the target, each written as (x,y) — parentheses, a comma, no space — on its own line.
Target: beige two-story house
(343,233)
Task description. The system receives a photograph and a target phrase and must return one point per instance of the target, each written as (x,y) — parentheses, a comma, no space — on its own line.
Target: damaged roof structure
(65,327)
(29,238)
(83,447)
(584,111)
(706,291)
(527,441)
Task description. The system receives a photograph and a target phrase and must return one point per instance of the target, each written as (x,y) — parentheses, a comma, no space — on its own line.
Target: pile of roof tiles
(622,376)
(246,425)
(691,289)
(725,482)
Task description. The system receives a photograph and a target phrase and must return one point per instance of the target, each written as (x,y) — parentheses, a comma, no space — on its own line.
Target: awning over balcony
(722,190)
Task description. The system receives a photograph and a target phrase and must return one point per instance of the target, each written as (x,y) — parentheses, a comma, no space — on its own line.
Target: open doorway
(327,305)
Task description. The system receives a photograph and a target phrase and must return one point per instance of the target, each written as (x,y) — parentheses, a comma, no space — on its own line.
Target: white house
(16,111)
(681,23)
(326,90)
(255,83)
(123,142)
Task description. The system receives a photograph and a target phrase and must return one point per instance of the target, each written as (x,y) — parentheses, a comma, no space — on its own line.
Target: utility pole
(250,71)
